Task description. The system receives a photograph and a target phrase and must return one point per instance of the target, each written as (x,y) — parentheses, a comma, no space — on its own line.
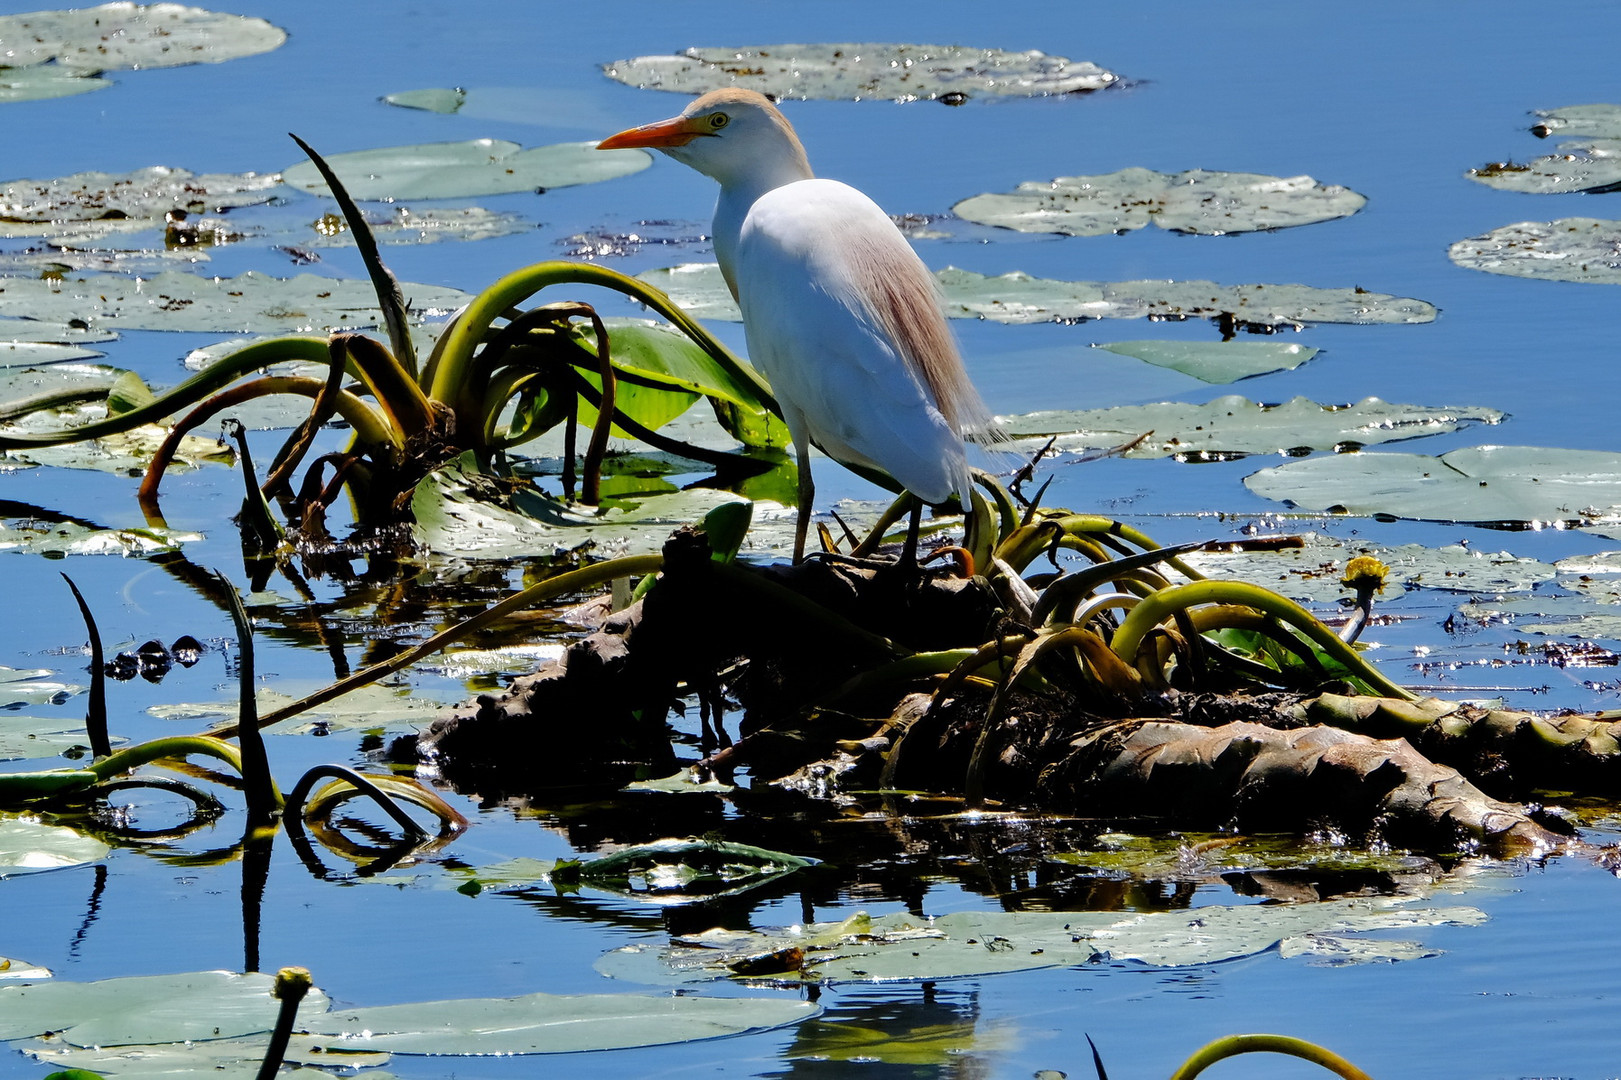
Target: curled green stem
(1233,1045)
(1154,609)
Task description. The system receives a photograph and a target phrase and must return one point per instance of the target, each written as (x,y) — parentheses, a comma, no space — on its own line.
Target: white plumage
(839,313)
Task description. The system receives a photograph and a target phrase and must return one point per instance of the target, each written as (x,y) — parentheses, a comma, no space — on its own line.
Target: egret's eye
(719,120)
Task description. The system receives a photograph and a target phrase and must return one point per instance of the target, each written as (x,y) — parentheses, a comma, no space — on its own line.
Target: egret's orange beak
(676,131)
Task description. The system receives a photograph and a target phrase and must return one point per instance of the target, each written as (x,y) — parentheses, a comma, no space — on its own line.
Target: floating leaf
(52,538)
(1485,484)
(27,845)
(61,333)
(665,872)
(1216,361)
(863,71)
(365,708)
(144,194)
(466,169)
(148,1008)
(203,1059)
(976,943)
(1581,166)
(439,101)
(251,303)
(1312,571)
(685,782)
(42,82)
(33,686)
(130,36)
(550,1024)
(452,518)
(30,737)
(21,969)
(1208,203)
(1570,249)
(1595,121)
(432,225)
(1019,298)
(1234,425)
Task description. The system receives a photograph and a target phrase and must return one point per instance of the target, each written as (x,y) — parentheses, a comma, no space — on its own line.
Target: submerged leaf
(465,169)
(1216,361)
(432,225)
(1019,298)
(863,71)
(1487,484)
(27,845)
(550,1023)
(1570,249)
(1208,203)
(1234,425)
(364,708)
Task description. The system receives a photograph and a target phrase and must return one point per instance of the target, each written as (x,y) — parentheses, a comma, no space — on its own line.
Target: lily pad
(1570,249)
(366,708)
(45,81)
(1233,426)
(1311,572)
(550,1024)
(13,331)
(1216,361)
(1207,203)
(21,969)
(129,36)
(453,518)
(148,1008)
(437,100)
(27,845)
(142,195)
(665,872)
(466,169)
(32,737)
(33,686)
(53,538)
(432,225)
(251,303)
(864,71)
(1518,485)
(1594,121)
(1019,298)
(203,1059)
(1593,166)
(976,943)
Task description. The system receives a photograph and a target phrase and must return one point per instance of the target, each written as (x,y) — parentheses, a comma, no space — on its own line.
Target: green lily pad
(1019,298)
(26,330)
(368,707)
(1594,121)
(1591,166)
(685,782)
(52,538)
(127,36)
(438,100)
(1233,425)
(21,969)
(430,225)
(199,1005)
(550,1024)
(1207,203)
(864,71)
(1570,249)
(45,81)
(466,169)
(1216,361)
(32,737)
(452,517)
(203,1059)
(1311,572)
(976,943)
(25,846)
(1487,484)
(665,872)
(144,195)
(33,686)
(251,303)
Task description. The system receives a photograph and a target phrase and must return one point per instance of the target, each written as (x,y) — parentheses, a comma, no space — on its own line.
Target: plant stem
(1233,1045)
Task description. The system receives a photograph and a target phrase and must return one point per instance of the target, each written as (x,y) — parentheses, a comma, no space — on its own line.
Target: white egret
(839,312)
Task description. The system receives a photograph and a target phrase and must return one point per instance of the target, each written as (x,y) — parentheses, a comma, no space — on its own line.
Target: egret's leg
(915,523)
(807,498)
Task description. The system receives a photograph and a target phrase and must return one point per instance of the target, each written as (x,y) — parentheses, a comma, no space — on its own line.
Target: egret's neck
(739,192)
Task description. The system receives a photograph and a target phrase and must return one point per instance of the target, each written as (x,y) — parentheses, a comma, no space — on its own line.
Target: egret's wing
(818,266)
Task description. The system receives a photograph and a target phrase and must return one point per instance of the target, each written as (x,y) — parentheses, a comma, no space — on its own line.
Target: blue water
(1394,100)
